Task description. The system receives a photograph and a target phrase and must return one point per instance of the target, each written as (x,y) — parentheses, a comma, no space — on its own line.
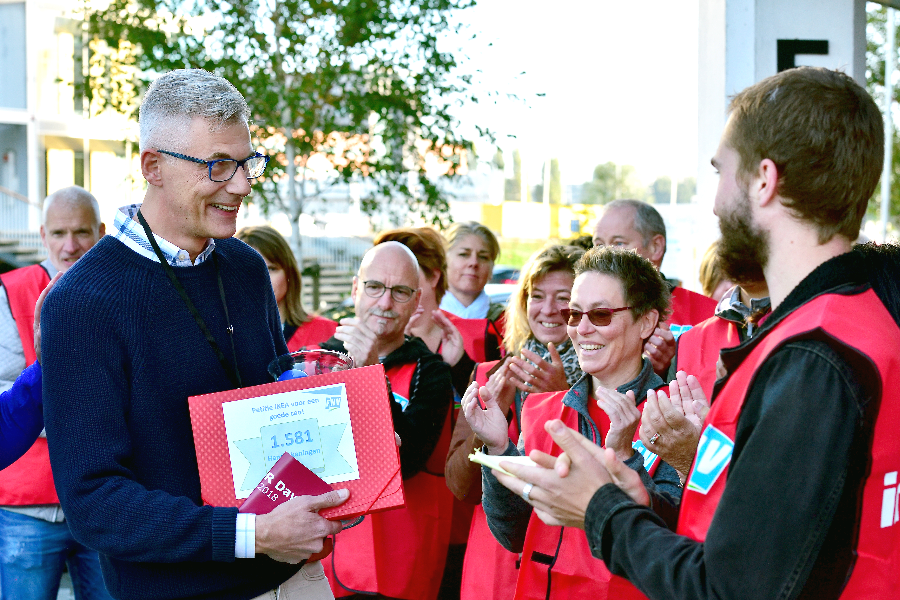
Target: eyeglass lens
(400,293)
(599,317)
(223,170)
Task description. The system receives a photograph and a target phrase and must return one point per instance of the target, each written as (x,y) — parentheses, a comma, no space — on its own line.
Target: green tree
(661,190)
(687,189)
(876,36)
(611,182)
(365,85)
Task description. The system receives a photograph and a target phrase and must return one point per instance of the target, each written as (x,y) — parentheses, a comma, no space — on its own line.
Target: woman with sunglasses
(617,300)
(301,330)
(535,336)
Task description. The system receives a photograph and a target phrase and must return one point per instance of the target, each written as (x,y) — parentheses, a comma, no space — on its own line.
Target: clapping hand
(671,425)
(660,349)
(561,488)
(533,374)
(623,420)
(452,344)
(489,424)
(359,341)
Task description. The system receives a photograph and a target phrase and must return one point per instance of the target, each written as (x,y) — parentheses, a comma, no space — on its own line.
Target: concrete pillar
(743,41)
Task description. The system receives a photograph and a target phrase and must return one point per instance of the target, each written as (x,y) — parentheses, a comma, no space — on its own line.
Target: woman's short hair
(644,287)
(457,231)
(275,249)
(428,246)
(550,259)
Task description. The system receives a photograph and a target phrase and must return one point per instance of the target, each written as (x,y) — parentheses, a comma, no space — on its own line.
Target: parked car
(504,274)
(499,293)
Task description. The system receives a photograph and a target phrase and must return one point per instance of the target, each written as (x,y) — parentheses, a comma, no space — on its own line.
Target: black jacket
(785,526)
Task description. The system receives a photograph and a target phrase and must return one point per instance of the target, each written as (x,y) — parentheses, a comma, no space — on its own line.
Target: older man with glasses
(170,306)
(399,553)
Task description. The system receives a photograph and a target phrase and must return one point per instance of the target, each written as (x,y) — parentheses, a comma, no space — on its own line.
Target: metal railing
(19,246)
(338,253)
(14,210)
(29,240)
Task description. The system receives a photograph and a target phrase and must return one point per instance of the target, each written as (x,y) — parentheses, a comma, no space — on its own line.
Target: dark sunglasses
(599,317)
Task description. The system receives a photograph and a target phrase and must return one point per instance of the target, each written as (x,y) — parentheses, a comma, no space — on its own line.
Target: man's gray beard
(387,314)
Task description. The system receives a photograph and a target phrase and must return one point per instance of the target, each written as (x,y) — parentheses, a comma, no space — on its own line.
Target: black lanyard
(232,371)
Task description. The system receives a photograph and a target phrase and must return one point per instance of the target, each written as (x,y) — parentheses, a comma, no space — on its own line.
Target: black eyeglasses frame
(211,163)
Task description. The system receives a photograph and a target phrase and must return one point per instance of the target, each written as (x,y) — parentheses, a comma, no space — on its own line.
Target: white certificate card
(312,425)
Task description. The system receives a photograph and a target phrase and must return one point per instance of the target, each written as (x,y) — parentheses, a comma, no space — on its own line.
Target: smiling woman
(617,299)
(534,325)
(623,298)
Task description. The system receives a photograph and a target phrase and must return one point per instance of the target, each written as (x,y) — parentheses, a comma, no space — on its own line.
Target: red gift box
(379,486)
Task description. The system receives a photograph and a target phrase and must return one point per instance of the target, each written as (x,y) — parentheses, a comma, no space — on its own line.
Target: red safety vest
(562,554)
(23,286)
(28,480)
(489,570)
(311,334)
(400,553)
(875,337)
(698,349)
(688,309)
(477,332)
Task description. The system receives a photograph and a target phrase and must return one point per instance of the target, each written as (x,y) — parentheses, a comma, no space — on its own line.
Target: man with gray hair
(167,307)
(638,226)
(30,515)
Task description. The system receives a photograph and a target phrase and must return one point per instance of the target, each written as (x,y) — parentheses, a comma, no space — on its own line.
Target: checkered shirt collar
(129,231)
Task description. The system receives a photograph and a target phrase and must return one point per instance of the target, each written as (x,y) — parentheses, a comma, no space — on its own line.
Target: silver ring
(529,384)
(654,438)
(526,491)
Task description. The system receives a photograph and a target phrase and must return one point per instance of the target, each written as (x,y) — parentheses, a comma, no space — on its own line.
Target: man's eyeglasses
(400,293)
(599,317)
(223,169)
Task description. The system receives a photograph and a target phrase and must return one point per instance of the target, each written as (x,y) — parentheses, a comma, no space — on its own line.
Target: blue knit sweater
(121,355)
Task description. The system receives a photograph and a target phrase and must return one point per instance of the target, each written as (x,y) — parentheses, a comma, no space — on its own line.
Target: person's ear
(765,185)
(656,249)
(648,324)
(151,167)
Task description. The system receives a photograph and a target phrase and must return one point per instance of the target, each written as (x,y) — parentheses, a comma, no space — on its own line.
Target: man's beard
(387,314)
(744,249)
